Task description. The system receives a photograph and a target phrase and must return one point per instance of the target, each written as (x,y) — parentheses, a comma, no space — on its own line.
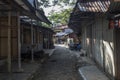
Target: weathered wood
(4,21)
(32,43)
(4,40)
(19,43)
(116,0)
(117,54)
(9,42)
(48,40)
(38,35)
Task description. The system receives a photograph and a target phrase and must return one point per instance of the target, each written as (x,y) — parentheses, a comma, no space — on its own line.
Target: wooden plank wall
(4,37)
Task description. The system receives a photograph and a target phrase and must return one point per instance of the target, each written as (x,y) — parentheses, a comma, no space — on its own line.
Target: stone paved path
(60,66)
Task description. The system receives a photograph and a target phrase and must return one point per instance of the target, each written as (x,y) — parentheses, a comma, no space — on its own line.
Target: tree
(43,3)
(46,3)
(66,2)
(60,17)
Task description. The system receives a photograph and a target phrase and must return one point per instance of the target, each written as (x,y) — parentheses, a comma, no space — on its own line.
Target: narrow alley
(59,39)
(60,66)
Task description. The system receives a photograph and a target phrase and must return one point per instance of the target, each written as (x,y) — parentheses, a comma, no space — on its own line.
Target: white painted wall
(102,44)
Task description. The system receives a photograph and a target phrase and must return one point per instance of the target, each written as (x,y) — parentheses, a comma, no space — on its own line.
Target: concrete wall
(99,42)
(108,49)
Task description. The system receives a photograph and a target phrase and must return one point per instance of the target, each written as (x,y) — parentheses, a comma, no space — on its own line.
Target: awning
(93,5)
(60,34)
(85,11)
(26,7)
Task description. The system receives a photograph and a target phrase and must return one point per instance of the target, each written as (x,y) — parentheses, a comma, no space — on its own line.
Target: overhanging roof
(43,29)
(42,16)
(25,7)
(93,5)
(85,11)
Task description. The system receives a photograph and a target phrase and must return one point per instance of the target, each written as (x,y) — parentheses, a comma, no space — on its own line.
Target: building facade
(100,36)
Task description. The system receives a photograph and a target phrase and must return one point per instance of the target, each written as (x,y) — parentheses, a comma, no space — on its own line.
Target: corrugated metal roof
(81,13)
(114,7)
(26,7)
(93,5)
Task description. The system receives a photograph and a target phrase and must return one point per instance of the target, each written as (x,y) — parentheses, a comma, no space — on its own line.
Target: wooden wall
(4,36)
(27,38)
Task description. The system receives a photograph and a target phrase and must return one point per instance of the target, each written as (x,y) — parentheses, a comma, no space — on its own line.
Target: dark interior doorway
(117,53)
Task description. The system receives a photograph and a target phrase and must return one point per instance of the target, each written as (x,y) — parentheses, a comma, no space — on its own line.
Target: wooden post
(9,42)
(32,47)
(48,40)
(38,36)
(116,0)
(19,43)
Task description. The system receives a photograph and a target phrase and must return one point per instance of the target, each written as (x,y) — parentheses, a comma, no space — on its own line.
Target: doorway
(117,53)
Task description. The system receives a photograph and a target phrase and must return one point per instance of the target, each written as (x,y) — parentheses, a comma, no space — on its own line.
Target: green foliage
(43,3)
(46,25)
(46,3)
(60,17)
(66,2)
(54,2)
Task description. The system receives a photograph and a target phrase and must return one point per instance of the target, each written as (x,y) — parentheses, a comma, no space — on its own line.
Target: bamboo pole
(9,42)
(19,43)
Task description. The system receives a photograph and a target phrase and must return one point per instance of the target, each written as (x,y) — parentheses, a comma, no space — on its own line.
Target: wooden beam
(9,42)
(19,43)
(48,39)
(32,43)
(116,0)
